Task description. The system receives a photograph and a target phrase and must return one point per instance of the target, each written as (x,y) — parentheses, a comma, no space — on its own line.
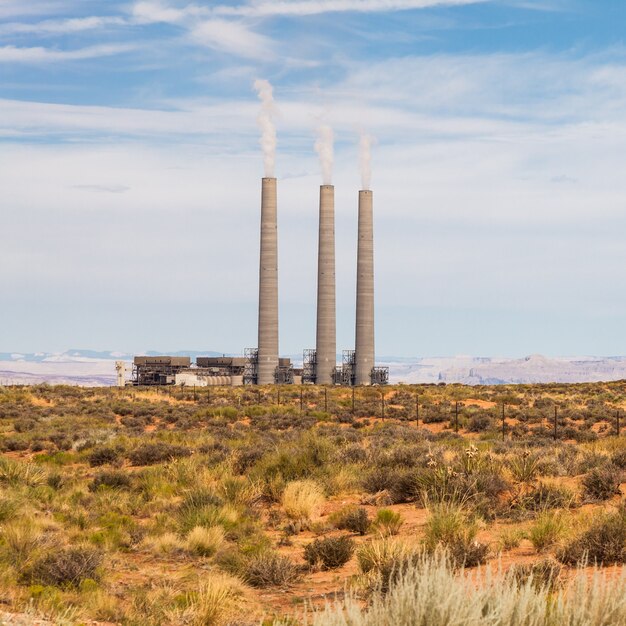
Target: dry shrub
(66,567)
(16,473)
(167,543)
(203,541)
(111,479)
(429,593)
(158,452)
(382,561)
(302,499)
(601,483)
(546,573)
(20,541)
(103,455)
(215,600)
(330,552)
(270,569)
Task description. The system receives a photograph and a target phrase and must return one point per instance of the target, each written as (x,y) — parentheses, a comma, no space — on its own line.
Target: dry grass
(303,500)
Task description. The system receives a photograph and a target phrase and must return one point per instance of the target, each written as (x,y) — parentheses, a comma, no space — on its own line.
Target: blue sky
(130,166)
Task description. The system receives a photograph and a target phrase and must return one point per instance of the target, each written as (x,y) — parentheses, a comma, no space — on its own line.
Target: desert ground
(294,505)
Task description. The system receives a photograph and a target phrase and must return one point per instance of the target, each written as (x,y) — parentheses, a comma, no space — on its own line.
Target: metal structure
(309,364)
(364,344)
(268,285)
(250,370)
(326,338)
(284,374)
(380,375)
(158,370)
(344,375)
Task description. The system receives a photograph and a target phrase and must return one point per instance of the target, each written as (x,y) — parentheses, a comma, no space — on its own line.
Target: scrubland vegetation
(409,505)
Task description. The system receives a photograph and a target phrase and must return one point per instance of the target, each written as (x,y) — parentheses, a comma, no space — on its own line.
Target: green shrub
(353,519)
(103,455)
(547,530)
(510,539)
(454,531)
(159,452)
(601,483)
(330,552)
(113,479)
(384,561)
(388,522)
(604,542)
(546,496)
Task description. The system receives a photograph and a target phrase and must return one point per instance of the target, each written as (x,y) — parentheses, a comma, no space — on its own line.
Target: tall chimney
(326,345)
(364,345)
(268,285)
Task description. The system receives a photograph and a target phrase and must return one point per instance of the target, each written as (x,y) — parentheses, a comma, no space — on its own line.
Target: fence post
(456,416)
(382,404)
(301,398)
(618,423)
(325,399)
(555,423)
(278,393)
(417,410)
(353,400)
(503,423)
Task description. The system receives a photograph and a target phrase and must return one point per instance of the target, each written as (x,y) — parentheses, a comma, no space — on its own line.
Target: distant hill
(92,368)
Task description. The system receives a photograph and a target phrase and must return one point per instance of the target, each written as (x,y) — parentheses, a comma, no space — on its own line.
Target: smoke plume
(266,124)
(365,160)
(324,147)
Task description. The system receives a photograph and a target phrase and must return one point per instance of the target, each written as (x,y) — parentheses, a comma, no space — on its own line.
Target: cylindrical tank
(268,285)
(364,344)
(236,380)
(326,344)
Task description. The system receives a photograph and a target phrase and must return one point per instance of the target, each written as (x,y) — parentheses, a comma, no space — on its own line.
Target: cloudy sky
(130,167)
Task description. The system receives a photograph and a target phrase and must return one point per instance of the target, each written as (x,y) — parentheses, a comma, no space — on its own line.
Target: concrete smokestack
(268,285)
(364,345)
(326,346)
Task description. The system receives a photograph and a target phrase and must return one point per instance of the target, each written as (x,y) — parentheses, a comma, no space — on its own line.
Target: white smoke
(266,124)
(365,160)
(324,147)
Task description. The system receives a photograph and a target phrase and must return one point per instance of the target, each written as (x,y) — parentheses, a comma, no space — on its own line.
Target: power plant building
(262,365)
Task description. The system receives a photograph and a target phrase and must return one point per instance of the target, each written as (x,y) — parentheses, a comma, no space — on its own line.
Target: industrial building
(262,365)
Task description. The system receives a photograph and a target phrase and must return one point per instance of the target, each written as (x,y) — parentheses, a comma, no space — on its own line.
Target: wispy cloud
(314,7)
(232,37)
(13,54)
(61,27)
(23,8)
